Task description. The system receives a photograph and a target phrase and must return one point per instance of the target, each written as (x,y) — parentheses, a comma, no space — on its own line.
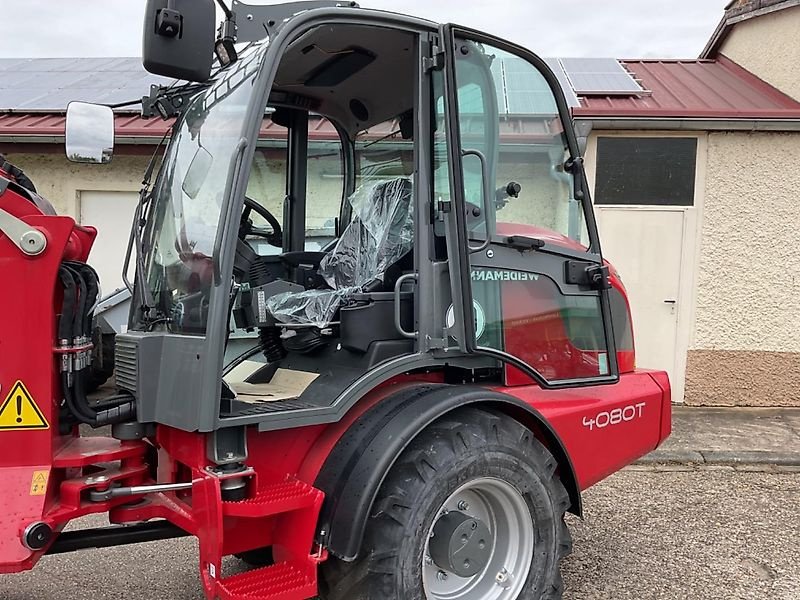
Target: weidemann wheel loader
(441,359)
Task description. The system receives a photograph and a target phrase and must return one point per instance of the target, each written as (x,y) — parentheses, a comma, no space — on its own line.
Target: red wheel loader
(395,215)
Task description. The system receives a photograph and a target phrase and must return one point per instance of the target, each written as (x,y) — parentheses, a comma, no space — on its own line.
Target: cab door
(528,273)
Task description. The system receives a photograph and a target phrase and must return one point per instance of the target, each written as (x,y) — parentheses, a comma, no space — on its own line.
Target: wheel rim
(502,508)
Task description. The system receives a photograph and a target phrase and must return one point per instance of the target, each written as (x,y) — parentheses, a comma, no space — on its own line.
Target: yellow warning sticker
(39,483)
(19,411)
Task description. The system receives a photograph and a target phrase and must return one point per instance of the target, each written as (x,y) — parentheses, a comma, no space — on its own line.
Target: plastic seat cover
(380,233)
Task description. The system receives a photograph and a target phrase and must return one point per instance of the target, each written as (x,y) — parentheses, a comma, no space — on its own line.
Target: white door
(112,214)
(646,247)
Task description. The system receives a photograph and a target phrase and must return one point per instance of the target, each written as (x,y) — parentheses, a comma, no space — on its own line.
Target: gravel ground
(699,534)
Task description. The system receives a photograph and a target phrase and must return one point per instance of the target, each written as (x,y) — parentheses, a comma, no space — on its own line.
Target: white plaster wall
(59,180)
(768,46)
(748,290)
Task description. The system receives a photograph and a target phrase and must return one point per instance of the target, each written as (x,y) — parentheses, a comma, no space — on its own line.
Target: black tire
(464,445)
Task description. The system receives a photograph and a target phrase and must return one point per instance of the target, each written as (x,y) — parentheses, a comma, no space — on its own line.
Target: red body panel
(611,443)
(46,476)
(27,335)
(533,336)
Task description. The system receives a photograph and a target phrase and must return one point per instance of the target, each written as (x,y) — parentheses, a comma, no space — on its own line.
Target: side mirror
(179,38)
(89,133)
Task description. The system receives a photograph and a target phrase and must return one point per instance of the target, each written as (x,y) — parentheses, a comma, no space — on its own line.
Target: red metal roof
(711,89)
(49,128)
(680,89)
(48,125)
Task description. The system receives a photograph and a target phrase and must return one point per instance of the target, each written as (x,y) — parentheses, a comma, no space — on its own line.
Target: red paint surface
(28,307)
(599,452)
(534,328)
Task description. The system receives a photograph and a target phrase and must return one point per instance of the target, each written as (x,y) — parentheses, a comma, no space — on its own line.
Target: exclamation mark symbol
(19,408)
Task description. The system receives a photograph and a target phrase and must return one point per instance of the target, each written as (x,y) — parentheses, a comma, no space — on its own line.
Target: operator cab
(328,221)
(412,200)
(345,95)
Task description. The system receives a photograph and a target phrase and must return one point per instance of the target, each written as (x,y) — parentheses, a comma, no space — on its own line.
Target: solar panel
(49,84)
(521,90)
(558,70)
(599,76)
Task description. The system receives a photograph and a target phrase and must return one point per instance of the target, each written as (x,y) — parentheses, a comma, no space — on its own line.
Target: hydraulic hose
(76,399)
(92,290)
(66,333)
(67,306)
(81,288)
(80,309)
(17,174)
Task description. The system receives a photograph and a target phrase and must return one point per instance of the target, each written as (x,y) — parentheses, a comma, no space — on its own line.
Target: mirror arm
(228,13)
(165,102)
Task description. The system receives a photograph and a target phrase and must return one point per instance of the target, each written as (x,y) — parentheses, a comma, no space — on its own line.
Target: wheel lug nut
(463,505)
(441,576)
(428,560)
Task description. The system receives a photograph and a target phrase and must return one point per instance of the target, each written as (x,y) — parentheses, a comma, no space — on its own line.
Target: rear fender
(358,464)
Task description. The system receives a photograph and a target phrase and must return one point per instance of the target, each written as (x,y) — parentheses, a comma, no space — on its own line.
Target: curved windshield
(188,198)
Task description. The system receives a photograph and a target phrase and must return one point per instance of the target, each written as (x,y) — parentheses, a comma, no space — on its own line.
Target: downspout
(557,172)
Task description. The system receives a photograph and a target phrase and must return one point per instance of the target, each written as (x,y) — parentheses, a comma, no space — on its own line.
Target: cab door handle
(487,193)
(670,301)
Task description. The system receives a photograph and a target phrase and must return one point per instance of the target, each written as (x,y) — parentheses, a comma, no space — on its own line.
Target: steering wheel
(274,237)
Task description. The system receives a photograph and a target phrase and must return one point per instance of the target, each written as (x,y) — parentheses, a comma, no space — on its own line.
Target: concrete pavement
(729,436)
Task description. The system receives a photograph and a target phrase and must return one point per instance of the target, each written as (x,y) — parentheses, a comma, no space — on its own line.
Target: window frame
(459,251)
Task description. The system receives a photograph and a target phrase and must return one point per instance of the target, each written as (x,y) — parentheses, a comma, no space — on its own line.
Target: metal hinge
(573,164)
(586,274)
(434,343)
(435,62)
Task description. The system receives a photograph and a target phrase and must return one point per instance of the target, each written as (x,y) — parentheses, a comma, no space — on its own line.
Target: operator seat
(380,233)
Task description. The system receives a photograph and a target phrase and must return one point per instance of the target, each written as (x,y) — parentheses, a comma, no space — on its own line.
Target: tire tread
(371,575)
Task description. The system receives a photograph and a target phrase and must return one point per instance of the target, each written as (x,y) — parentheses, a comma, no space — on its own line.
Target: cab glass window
(325,181)
(508,112)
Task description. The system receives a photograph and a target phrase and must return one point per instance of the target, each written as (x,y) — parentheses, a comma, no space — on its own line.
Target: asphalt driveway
(682,533)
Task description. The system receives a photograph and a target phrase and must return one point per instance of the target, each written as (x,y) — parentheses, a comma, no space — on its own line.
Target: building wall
(746,345)
(60,181)
(768,47)
(655,269)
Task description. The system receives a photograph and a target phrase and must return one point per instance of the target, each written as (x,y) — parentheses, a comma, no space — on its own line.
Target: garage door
(112,214)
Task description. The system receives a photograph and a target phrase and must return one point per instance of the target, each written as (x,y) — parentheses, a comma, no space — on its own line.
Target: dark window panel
(650,171)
